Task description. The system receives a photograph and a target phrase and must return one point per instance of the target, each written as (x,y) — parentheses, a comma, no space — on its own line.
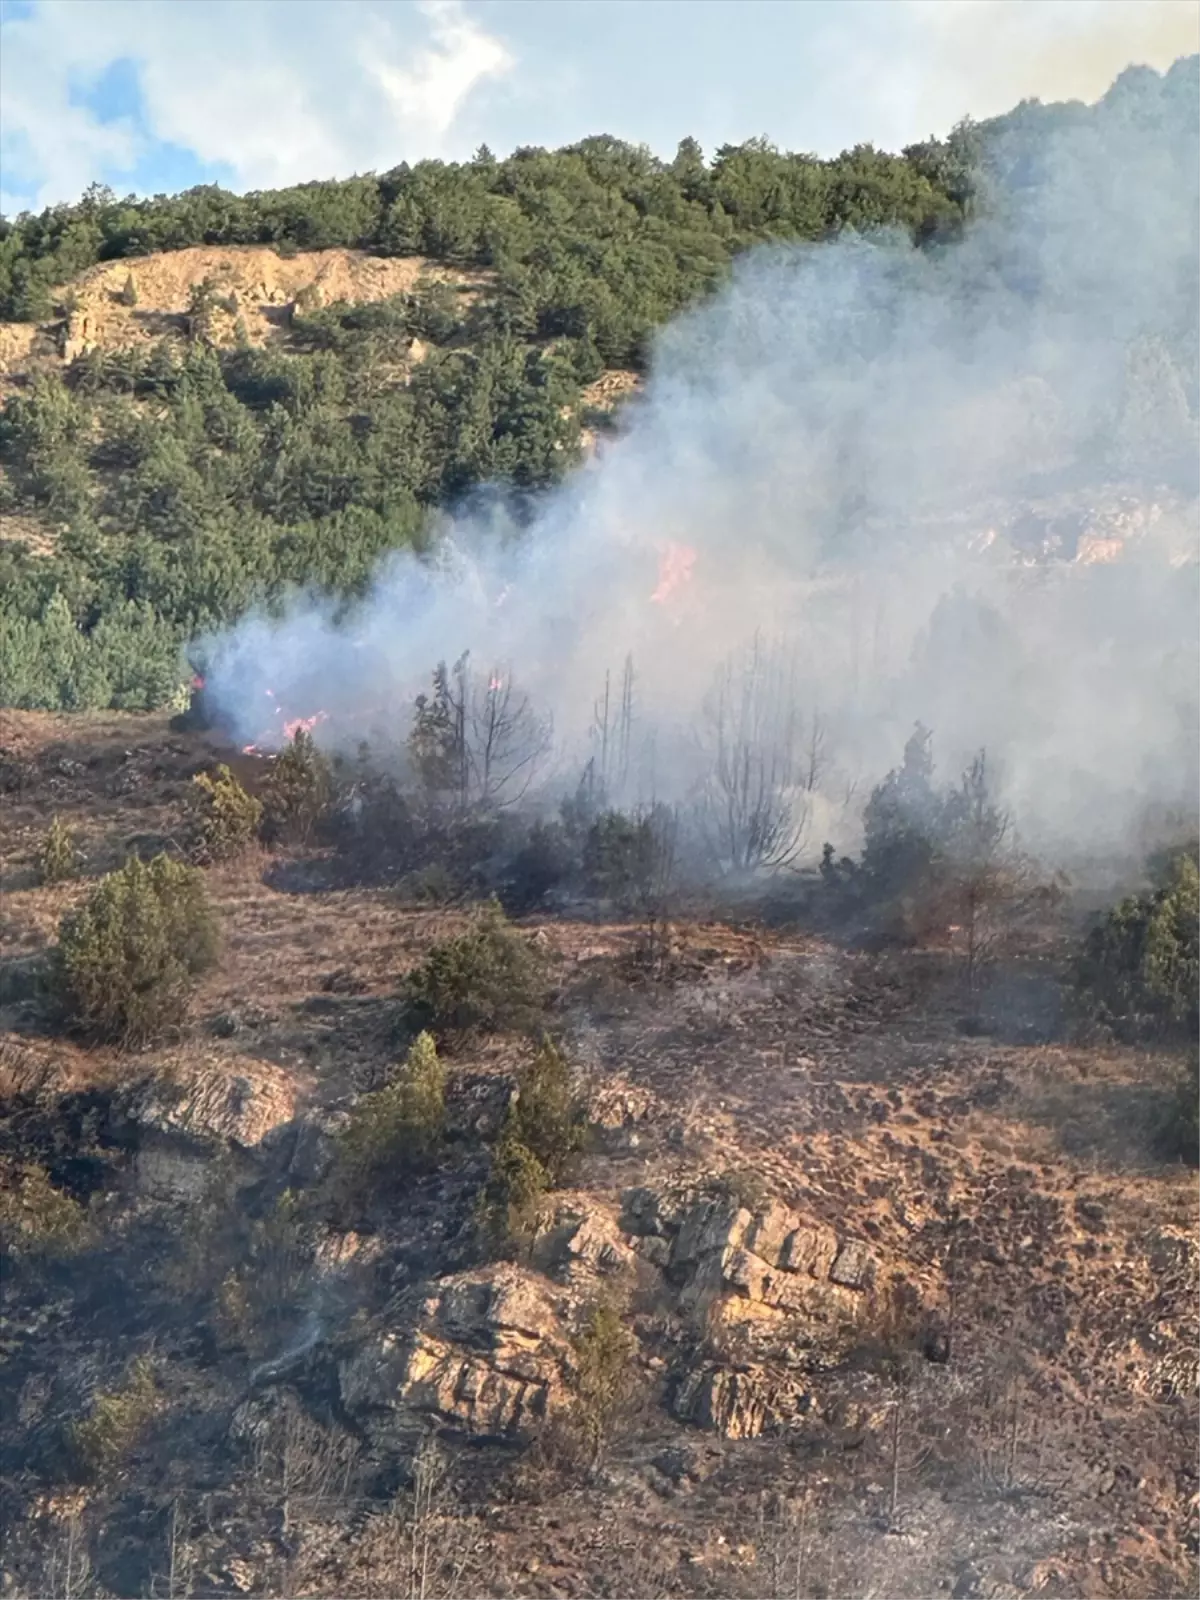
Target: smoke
(862,442)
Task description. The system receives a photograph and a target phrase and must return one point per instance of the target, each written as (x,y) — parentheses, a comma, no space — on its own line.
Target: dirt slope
(264,283)
(779,1136)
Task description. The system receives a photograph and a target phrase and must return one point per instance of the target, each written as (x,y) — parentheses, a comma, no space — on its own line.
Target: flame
(674,570)
(495,685)
(304,724)
(290,727)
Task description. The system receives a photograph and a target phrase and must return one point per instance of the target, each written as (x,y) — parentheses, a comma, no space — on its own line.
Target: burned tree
(507,740)
(754,807)
(611,730)
(476,742)
(988,880)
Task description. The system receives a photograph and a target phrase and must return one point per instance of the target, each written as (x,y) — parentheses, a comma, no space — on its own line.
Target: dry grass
(840,1081)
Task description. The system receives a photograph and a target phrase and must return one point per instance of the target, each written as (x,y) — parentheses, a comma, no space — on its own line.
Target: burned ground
(912,1285)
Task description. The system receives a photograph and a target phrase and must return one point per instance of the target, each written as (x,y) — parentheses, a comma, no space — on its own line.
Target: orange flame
(290,726)
(304,724)
(674,570)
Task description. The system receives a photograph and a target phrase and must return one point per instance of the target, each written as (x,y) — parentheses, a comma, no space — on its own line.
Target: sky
(152,96)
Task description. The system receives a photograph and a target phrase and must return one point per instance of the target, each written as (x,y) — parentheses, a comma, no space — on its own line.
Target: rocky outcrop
(587,1247)
(776,1294)
(183,1118)
(740,1403)
(484,1352)
(772,1257)
(487,1351)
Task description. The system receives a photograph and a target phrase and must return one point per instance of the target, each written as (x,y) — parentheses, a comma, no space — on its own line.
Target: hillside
(790,1143)
(598,979)
(259,290)
(305,380)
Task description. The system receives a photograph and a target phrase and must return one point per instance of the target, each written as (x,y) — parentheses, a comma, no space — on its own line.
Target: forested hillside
(153,492)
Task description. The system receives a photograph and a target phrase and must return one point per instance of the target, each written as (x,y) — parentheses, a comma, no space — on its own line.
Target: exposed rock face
(485,1351)
(761,1282)
(739,1403)
(773,1258)
(211,1103)
(593,1249)
(183,1118)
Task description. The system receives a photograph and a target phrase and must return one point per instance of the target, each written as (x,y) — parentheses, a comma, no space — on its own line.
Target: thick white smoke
(855,439)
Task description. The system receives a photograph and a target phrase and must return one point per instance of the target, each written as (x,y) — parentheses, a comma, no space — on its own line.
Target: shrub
(259,1295)
(398,1128)
(58,859)
(298,792)
(542,1129)
(739,1186)
(126,962)
(229,817)
(543,862)
(511,1202)
(128,295)
(487,978)
(618,858)
(604,1375)
(101,1439)
(1140,965)
(36,1219)
(543,1114)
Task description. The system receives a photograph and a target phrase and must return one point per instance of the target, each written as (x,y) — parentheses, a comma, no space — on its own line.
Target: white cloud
(279,91)
(275,91)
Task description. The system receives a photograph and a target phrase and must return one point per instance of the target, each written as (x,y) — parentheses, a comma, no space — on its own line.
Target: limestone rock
(738,1403)
(854,1266)
(644,1214)
(213,1102)
(484,1352)
(182,1120)
(811,1250)
(595,1248)
(708,1230)
(770,1256)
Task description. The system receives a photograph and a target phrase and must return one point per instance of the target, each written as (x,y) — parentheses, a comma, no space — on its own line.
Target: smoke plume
(954,484)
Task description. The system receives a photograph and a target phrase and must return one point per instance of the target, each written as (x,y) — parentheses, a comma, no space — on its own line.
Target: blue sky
(156,95)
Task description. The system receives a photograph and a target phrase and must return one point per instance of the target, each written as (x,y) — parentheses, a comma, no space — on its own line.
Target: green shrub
(36,1219)
(58,858)
(127,961)
(229,817)
(510,1205)
(396,1129)
(619,858)
(259,1295)
(99,1441)
(543,1114)
(739,1186)
(1140,965)
(542,1129)
(603,1382)
(298,792)
(488,978)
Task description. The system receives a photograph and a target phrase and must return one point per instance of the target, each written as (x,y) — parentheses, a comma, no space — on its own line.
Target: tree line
(176,485)
(600,237)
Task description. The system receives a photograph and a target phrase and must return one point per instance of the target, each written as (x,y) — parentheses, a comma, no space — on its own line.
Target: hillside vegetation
(433,1165)
(207,444)
(328,365)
